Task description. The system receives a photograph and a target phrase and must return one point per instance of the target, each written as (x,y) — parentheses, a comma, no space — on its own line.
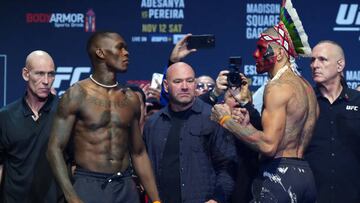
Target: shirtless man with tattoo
(102,120)
(288,118)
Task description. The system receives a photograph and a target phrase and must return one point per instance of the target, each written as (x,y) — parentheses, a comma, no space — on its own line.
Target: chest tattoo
(105,103)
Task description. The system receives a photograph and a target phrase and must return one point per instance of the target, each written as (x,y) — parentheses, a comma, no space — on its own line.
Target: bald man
(204,84)
(334,153)
(102,118)
(192,156)
(24,134)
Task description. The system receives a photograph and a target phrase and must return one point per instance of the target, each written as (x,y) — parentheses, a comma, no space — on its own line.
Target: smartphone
(156,81)
(201,41)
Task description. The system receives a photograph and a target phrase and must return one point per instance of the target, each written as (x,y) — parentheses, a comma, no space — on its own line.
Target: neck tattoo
(102,85)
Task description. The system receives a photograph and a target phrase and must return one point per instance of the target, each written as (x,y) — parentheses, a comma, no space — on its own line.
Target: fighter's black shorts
(287,180)
(93,187)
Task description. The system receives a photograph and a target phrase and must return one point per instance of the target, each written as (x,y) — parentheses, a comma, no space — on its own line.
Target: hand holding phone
(201,41)
(156,81)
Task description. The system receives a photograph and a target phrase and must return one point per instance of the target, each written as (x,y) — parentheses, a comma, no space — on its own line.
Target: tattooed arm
(276,97)
(60,134)
(139,155)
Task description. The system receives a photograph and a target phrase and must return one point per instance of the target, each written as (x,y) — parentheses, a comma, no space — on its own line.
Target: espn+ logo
(348,18)
(67,76)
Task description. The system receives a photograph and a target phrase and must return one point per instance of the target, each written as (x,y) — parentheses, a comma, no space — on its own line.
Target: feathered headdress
(292,35)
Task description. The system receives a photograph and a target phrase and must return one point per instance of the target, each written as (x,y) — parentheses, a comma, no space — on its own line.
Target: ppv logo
(70,75)
(348,17)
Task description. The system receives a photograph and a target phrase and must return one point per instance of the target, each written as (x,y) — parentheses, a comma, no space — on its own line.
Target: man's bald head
(37,55)
(336,48)
(179,67)
(205,79)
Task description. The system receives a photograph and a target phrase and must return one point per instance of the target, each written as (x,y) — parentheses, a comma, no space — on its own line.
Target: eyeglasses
(203,86)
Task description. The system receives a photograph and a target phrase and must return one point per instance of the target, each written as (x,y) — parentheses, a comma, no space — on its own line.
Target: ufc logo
(68,74)
(352,108)
(348,14)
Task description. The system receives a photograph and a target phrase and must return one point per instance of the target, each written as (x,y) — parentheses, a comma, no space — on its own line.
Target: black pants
(287,180)
(93,187)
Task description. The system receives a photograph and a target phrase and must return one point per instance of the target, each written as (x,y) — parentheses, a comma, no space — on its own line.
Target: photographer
(244,98)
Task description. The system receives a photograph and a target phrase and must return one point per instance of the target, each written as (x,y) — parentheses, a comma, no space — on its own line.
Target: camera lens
(234,79)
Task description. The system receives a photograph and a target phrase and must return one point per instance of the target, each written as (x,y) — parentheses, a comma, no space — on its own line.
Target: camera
(233,78)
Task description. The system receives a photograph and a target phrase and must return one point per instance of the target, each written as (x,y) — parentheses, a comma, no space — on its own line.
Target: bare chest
(112,111)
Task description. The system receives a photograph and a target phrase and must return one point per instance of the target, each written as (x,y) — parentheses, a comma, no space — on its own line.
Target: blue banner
(151,27)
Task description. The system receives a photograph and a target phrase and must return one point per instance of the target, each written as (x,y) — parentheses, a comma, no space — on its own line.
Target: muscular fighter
(288,118)
(102,119)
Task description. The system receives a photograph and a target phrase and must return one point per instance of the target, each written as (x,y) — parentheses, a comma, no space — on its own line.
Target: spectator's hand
(241,116)
(221,83)
(242,95)
(219,111)
(150,92)
(180,50)
(144,87)
(154,93)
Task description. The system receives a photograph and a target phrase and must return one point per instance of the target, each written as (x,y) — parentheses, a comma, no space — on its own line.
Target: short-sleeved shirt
(333,152)
(27,176)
